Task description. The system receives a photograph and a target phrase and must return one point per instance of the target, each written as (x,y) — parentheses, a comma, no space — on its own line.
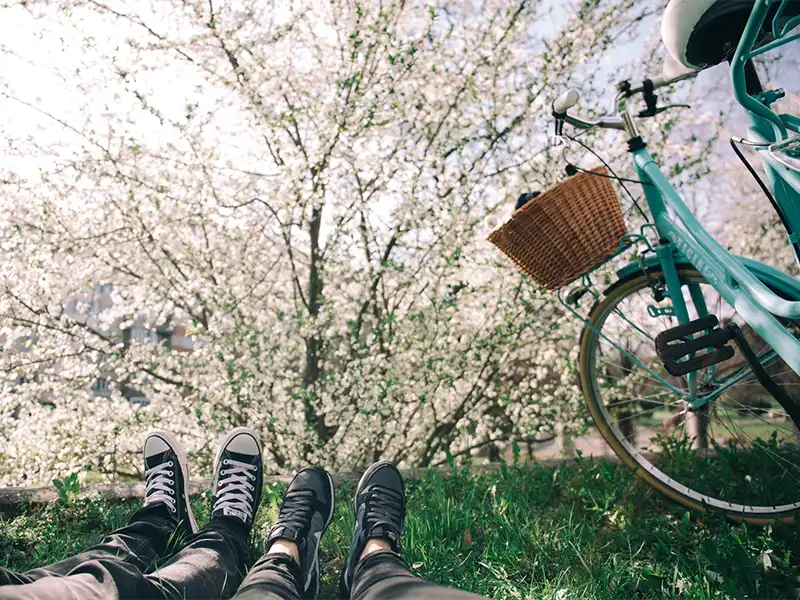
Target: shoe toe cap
(155,444)
(315,478)
(244,443)
(386,475)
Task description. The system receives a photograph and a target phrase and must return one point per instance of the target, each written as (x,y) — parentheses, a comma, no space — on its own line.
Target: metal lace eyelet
(170,473)
(225,462)
(173,509)
(171,492)
(169,464)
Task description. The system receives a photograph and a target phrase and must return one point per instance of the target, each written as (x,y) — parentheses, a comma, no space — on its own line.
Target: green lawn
(581,530)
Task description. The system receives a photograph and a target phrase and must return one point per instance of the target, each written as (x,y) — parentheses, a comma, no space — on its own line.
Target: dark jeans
(380,576)
(207,565)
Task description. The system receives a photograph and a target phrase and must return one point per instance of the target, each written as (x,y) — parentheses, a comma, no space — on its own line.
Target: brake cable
(793,240)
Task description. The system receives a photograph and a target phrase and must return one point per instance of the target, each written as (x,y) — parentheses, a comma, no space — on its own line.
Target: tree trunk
(494,453)
(697,426)
(627,424)
(312,373)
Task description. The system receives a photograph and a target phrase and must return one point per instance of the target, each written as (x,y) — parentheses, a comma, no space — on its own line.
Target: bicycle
(712,426)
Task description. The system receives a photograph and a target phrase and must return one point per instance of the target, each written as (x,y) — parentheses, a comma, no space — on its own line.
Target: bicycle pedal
(674,345)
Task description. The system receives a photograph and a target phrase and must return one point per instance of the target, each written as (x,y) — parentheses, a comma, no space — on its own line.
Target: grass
(580,530)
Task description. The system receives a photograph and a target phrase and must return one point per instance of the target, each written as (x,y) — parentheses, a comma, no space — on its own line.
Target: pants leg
(273,577)
(384,576)
(139,543)
(209,565)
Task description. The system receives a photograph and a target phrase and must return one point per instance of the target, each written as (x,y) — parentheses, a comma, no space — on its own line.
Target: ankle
(285,547)
(374,545)
(159,508)
(232,525)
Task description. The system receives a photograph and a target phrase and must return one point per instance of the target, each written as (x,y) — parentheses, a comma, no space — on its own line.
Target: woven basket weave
(564,232)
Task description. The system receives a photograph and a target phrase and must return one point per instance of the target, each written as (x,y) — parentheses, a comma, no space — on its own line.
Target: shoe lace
(296,510)
(235,489)
(160,485)
(384,507)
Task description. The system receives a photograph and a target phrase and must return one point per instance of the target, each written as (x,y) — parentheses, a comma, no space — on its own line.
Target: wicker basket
(565,231)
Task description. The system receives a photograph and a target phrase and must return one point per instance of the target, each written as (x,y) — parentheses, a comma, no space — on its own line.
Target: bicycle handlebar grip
(566,101)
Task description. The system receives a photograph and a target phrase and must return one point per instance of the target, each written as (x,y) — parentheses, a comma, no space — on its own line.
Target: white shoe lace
(160,479)
(234,489)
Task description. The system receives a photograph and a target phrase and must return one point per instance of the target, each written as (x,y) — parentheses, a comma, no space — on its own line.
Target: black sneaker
(167,477)
(238,477)
(306,512)
(380,505)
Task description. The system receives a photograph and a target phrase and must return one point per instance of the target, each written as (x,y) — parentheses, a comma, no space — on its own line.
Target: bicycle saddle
(703,33)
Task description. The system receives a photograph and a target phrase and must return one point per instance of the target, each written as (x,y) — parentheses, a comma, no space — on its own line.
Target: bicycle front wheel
(739,453)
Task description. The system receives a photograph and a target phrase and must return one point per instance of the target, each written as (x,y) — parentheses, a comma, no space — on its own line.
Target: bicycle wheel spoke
(637,326)
(791,433)
(755,384)
(773,375)
(768,452)
(750,410)
(627,418)
(645,399)
(631,371)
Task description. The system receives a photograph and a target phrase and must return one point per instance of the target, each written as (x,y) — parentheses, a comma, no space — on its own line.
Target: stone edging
(12,496)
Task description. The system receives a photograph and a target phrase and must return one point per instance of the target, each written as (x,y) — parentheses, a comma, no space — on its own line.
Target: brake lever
(669,106)
(651,101)
(559,123)
(653,111)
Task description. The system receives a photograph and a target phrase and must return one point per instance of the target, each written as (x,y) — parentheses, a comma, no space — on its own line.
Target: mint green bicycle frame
(683,240)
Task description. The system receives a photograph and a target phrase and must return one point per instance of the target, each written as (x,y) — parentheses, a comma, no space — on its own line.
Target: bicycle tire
(643,468)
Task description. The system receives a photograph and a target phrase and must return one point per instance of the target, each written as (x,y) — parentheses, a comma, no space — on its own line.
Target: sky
(40,59)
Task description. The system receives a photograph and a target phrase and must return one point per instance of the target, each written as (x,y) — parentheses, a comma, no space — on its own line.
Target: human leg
(166,514)
(383,575)
(375,569)
(290,568)
(209,564)
(139,543)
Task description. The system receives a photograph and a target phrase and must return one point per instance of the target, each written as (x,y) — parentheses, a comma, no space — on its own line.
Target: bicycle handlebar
(570,98)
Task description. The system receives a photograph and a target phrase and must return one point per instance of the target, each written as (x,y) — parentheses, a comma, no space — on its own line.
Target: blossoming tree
(306,189)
